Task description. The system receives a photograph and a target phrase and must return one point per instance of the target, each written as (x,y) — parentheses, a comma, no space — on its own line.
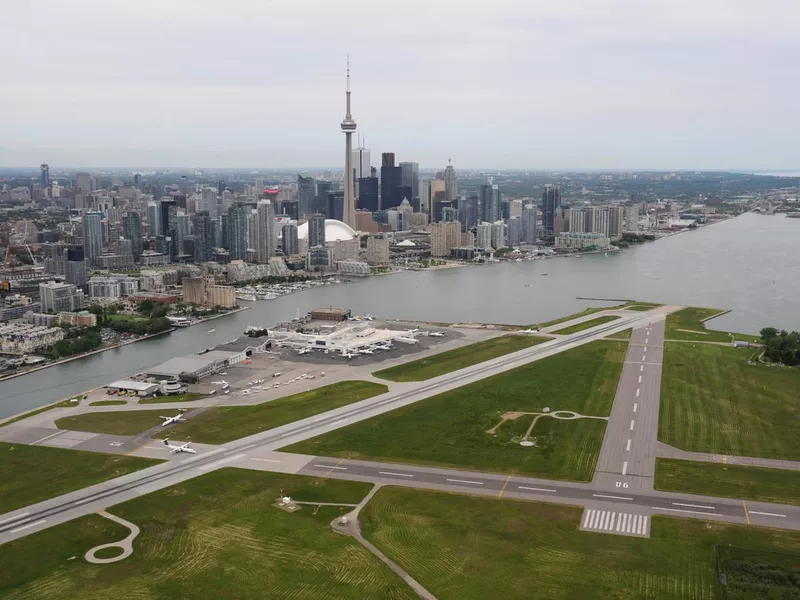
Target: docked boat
(246,297)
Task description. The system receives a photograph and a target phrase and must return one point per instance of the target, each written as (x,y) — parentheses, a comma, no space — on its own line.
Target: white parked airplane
(348,354)
(366,351)
(437,333)
(528,331)
(176,419)
(184,448)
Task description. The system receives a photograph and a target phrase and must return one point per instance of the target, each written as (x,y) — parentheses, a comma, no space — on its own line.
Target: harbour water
(750,265)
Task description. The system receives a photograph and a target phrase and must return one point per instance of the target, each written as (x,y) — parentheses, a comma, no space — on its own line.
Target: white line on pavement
(766,514)
(637,392)
(588,516)
(330,467)
(14,518)
(625,468)
(612,497)
(692,512)
(694,505)
(641,368)
(24,527)
(204,455)
(466,481)
(635,406)
(632,422)
(533,489)
(646,340)
(643,357)
(265,459)
(640,379)
(47,437)
(628,446)
(395,474)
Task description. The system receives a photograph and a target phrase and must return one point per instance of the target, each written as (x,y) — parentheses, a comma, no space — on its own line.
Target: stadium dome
(335,231)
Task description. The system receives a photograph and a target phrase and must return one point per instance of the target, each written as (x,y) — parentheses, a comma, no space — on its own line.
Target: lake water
(750,265)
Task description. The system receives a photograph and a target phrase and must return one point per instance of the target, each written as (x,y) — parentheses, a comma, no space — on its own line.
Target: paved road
(70,506)
(627,457)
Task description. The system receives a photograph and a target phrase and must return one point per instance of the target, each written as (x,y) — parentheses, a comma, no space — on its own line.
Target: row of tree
(781,346)
(88,340)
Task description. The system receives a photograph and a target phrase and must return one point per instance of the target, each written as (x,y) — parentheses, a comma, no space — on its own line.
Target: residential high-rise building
(321,199)
(154,218)
(445,237)
(378,250)
(334,207)
(132,228)
(409,178)
(348,127)
(468,211)
(210,202)
(237,231)
(489,209)
(75,267)
(514,232)
(615,219)
(289,240)
(316,230)
(58,297)
(483,236)
(93,236)
(84,182)
(551,198)
(306,192)
(265,227)
(498,234)
(578,220)
(368,194)
(44,179)
(450,183)
(632,218)
(168,212)
(182,232)
(204,234)
(437,199)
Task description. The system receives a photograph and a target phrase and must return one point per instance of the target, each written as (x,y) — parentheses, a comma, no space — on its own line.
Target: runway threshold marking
(14,518)
(466,481)
(500,495)
(28,526)
(766,514)
(746,513)
(535,489)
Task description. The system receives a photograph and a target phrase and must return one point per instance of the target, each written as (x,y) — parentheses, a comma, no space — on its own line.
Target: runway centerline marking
(638,390)
(640,378)
(641,368)
(28,526)
(635,406)
(643,357)
(466,481)
(392,473)
(272,460)
(535,489)
(632,422)
(628,446)
(681,510)
(331,467)
(694,505)
(14,518)
(612,497)
(625,468)
(766,514)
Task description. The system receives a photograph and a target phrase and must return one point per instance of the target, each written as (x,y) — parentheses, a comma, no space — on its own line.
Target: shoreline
(67,359)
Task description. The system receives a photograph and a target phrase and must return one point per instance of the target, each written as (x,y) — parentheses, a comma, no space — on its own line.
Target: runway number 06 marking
(622,484)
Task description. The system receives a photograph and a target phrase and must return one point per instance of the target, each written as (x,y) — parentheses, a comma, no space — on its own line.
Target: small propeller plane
(184,448)
(176,419)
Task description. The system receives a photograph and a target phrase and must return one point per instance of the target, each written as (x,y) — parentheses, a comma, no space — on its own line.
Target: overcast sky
(619,84)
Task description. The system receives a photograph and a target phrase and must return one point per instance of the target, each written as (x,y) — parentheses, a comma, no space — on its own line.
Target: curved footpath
(126,544)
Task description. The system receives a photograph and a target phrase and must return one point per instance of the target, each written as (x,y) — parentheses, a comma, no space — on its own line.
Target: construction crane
(8,255)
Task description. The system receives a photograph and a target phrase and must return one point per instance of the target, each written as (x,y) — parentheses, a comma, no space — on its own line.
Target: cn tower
(348,126)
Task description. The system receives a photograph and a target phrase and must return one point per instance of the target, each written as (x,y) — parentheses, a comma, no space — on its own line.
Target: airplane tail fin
(166,442)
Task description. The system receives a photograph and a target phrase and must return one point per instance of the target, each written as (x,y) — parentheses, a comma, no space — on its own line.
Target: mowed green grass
(222,424)
(450,429)
(729,481)
(35,473)
(483,548)
(587,324)
(188,397)
(622,335)
(713,401)
(118,422)
(583,313)
(640,306)
(692,319)
(108,403)
(212,537)
(459,358)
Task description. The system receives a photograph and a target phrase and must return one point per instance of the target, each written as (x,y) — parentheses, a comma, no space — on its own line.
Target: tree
(768,333)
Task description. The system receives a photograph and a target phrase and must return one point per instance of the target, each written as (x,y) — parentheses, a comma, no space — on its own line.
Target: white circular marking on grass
(526,443)
(126,544)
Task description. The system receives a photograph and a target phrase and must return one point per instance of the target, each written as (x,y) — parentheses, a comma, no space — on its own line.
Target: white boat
(211,331)
(246,297)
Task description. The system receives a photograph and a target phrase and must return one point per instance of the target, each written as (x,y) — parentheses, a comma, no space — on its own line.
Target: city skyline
(589,85)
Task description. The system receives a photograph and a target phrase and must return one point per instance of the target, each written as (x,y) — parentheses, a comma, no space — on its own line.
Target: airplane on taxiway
(184,448)
(176,419)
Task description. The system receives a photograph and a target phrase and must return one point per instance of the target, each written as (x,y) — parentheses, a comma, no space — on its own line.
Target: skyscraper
(514,232)
(529,212)
(316,230)
(204,234)
(361,165)
(391,182)
(265,243)
(75,267)
(489,209)
(368,194)
(237,231)
(289,241)
(210,201)
(45,176)
(132,227)
(321,199)
(306,192)
(92,236)
(409,176)
(551,198)
(154,218)
(348,127)
(137,180)
(450,184)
